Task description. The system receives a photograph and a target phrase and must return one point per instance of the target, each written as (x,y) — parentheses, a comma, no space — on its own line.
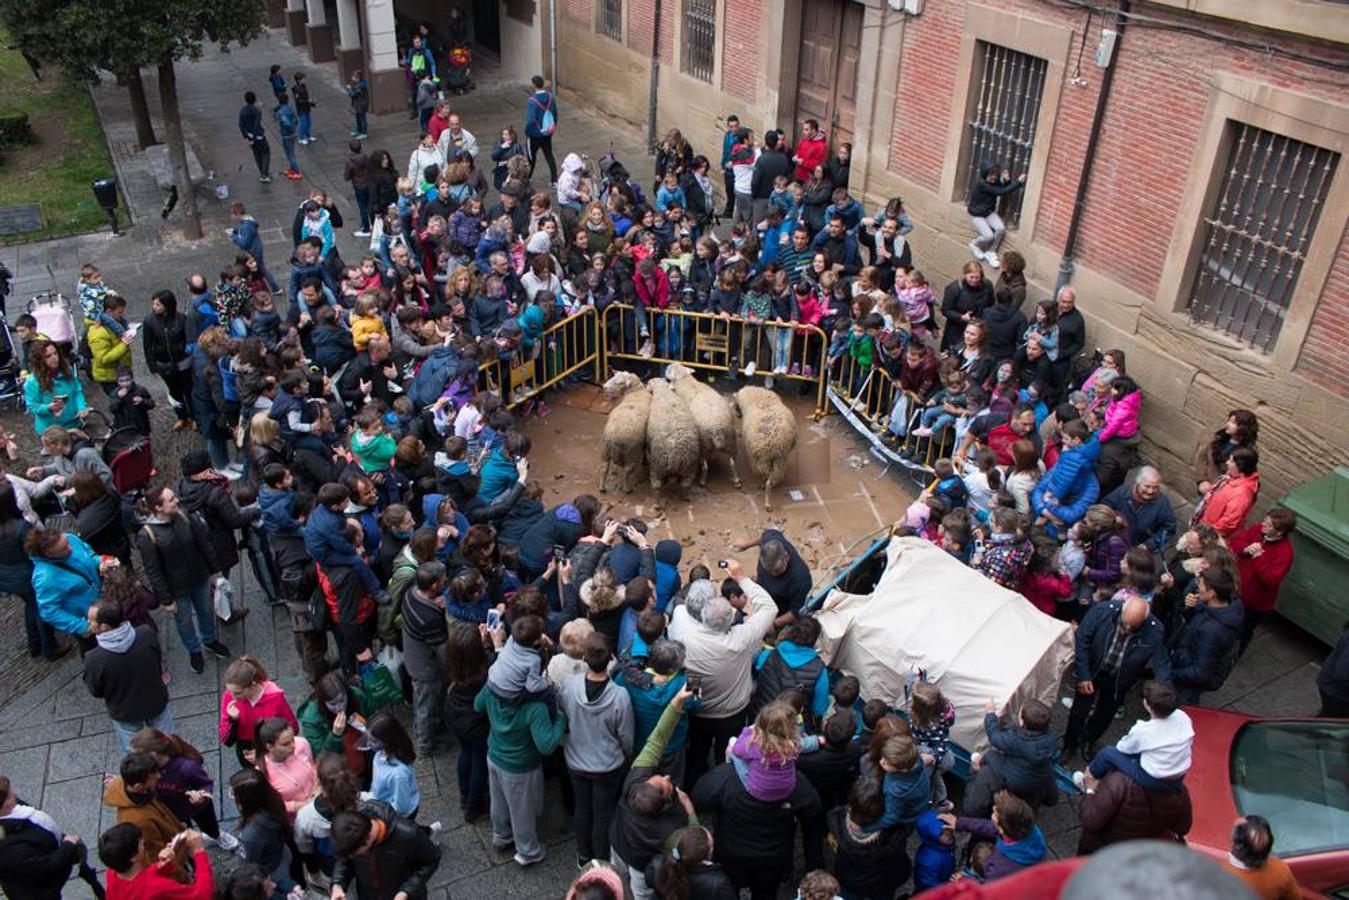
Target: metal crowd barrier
(564,349)
(885,414)
(715,343)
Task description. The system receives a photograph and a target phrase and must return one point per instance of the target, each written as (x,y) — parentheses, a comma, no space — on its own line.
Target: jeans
(424,117)
(596,797)
(989,230)
(262,157)
(472,771)
(125,731)
(197,600)
(360,123)
(304,126)
(217,444)
(288,147)
(427,697)
(782,346)
(1112,758)
(937,418)
(744,208)
(363,206)
(41,636)
(517,800)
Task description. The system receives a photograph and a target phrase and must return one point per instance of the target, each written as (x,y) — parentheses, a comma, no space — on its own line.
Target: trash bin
(105,192)
(1313,596)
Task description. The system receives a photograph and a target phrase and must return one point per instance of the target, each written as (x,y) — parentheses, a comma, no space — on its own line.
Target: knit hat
(195,463)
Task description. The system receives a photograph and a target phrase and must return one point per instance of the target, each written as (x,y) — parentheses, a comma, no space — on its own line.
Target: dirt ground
(836,496)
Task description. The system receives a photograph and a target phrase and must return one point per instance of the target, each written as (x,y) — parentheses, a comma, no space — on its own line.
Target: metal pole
(655,82)
(552,40)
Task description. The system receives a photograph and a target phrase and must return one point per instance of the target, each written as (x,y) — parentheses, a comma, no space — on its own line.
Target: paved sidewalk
(55,743)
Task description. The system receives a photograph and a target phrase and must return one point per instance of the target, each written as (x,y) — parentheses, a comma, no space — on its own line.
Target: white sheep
(625,429)
(714,416)
(769,433)
(671,438)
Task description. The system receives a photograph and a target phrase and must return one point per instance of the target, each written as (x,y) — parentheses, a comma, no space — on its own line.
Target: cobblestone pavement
(55,742)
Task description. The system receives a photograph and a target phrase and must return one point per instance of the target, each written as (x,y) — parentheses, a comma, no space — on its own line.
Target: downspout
(552,41)
(655,83)
(1066,265)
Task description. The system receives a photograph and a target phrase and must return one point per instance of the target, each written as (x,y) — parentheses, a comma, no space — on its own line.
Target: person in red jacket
(811,152)
(131,876)
(1230,497)
(1264,557)
(249,698)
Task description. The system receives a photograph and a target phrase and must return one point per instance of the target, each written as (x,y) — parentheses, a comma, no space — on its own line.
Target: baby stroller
(126,451)
(11,364)
(458,74)
(55,322)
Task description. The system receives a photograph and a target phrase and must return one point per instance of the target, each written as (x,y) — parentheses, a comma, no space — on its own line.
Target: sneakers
(218,649)
(992,259)
(1080,780)
(360,135)
(1065,702)
(525,862)
(750,370)
(436,829)
(795,369)
(197,661)
(922,431)
(265,179)
(228,842)
(975,760)
(779,370)
(808,371)
(292,175)
(364,232)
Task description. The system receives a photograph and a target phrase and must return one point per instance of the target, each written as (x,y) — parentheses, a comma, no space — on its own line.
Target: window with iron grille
(521,10)
(1257,231)
(700,38)
(1002,122)
(610,22)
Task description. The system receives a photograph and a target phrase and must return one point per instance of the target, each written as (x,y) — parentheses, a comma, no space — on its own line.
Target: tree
(121,36)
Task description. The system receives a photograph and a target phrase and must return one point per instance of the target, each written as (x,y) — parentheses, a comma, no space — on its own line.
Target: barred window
(521,10)
(610,23)
(1002,123)
(1257,231)
(700,38)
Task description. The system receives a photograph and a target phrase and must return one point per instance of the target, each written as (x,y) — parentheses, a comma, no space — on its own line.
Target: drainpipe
(552,41)
(1066,265)
(655,83)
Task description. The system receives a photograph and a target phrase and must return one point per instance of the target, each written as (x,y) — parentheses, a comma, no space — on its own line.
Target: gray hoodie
(599,731)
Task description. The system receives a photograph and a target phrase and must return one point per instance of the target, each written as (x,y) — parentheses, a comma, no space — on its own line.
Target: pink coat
(1121,417)
(272,704)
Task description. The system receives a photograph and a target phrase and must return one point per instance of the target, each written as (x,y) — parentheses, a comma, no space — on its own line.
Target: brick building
(1211,239)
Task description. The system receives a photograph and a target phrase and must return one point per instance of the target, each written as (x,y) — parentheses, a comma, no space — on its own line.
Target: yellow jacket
(108,352)
(363,328)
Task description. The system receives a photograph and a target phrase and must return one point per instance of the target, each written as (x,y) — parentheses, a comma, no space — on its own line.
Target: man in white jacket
(722,654)
(456,137)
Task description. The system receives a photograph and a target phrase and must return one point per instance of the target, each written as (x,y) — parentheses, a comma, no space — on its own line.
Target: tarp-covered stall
(974,638)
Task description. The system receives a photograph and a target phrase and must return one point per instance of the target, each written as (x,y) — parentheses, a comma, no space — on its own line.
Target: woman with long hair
(98,516)
(687,871)
(52,392)
(166,353)
(66,581)
(339,790)
(210,409)
(383,184)
(264,827)
(467,659)
(333,716)
(287,760)
(1241,429)
(394,781)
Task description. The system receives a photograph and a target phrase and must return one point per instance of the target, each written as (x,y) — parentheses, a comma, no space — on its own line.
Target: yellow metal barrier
(716,343)
(563,349)
(873,401)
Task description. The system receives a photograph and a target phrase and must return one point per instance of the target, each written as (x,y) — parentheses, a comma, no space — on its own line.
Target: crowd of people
(385,500)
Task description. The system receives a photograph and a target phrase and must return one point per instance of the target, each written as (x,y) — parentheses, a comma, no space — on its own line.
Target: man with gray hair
(1152,522)
(651,688)
(723,654)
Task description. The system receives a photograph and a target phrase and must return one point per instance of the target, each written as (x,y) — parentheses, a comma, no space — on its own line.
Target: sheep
(625,429)
(714,416)
(671,438)
(769,433)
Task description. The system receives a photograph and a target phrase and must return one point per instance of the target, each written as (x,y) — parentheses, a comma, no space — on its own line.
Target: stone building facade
(1210,239)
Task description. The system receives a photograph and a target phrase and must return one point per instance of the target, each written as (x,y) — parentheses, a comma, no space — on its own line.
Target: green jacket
(863,349)
(376,691)
(389,616)
(521,734)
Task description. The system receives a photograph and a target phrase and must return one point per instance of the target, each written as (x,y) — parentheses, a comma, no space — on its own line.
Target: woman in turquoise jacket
(65,579)
(52,391)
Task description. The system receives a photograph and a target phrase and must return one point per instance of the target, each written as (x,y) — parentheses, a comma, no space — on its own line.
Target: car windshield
(1296,775)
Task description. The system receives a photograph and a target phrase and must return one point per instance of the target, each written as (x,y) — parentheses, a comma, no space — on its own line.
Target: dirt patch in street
(835,497)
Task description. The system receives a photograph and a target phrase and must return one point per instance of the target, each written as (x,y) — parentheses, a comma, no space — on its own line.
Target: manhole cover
(20,219)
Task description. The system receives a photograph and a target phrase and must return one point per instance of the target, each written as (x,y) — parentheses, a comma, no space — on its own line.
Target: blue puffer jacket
(1072,482)
(278,511)
(66,588)
(496,474)
(934,861)
(1207,650)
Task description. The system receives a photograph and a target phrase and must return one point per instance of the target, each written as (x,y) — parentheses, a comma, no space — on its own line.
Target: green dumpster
(1313,595)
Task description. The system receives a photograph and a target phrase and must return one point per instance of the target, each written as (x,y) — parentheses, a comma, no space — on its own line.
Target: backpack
(548,121)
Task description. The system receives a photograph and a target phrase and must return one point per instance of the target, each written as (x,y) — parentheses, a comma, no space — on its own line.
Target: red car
(1294,772)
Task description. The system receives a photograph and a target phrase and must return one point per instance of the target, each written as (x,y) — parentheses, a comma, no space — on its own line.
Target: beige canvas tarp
(976,640)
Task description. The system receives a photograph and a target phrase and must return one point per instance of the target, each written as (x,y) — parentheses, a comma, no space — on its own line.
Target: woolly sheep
(671,438)
(625,429)
(769,433)
(714,416)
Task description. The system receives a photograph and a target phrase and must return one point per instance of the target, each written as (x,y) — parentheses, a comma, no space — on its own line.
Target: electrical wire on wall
(1078,80)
